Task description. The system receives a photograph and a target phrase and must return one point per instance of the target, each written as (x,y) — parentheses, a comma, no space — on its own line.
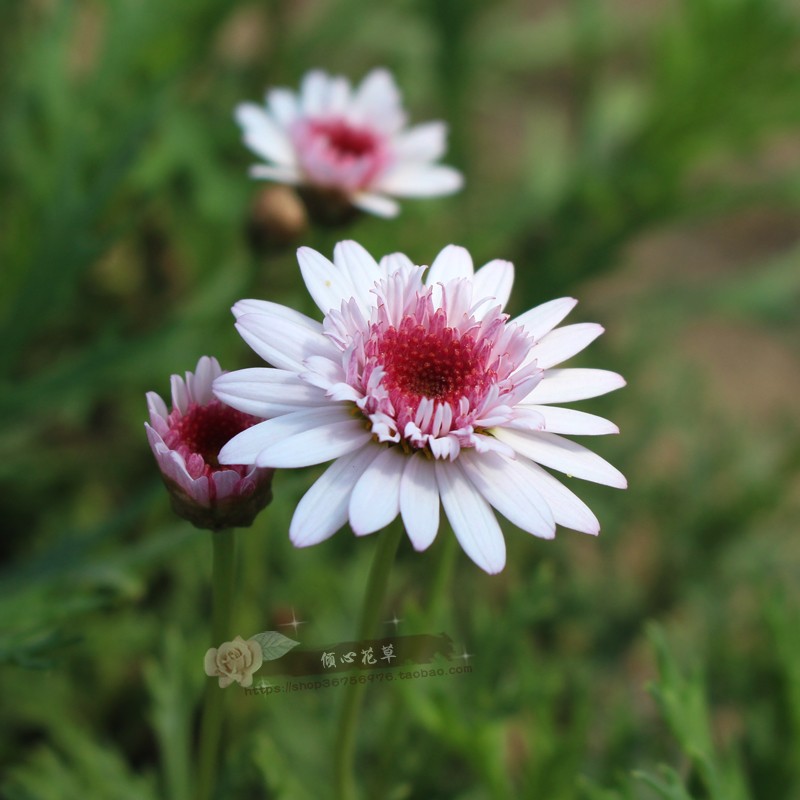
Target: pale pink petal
(419,501)
(542,319)
(570,421)
(264,136)
(563,455)
(267,392)
(324,507)
(567,385)
(471,518)
(226,482)
(563,343)
(506,485)
(375,501)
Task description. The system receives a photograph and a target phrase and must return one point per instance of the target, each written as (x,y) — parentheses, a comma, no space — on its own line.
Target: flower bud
(186,442)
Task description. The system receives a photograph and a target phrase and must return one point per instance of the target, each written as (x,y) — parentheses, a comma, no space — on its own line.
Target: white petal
(451,263)
(338,98)
(263,135)
(563,455)
(361,269)
(507,486)
(542,319)
(570,421)
(282,341)
(395,262)
(566,385)
(158,411)
(316,445)
(199,383)
(375,501)
(270,172)
(245,447)
(420,180)
(376,204)
(419,501)
(471,518)
(267,392)
(324,507)
(377,102)
(424,142)
(271,309)
(180,394)
(563,343)
(326,284)
(282,104)
(314,92)
(494,279)
(568,509)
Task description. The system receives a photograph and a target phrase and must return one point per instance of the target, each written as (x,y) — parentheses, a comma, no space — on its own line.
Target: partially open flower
(186,443)
(348,147)
(234,661)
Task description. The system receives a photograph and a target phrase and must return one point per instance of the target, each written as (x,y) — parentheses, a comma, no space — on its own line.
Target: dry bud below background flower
(278,219)
(186,443)
(347,147)
(234,661)
(422,390)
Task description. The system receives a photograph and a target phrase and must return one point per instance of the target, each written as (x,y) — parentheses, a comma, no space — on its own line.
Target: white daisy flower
(352,142)
(422,390)
(186,442)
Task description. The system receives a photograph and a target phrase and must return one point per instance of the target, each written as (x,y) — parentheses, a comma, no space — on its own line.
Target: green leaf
(273,644)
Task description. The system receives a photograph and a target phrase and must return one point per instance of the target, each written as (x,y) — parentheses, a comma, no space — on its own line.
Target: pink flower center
(202,431)
(348,142)
(336,154)
(434,378)
(437,364)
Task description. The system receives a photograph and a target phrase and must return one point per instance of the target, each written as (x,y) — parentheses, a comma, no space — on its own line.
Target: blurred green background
(641,155)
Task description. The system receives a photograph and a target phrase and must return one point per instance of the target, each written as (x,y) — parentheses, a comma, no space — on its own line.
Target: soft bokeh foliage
(641,156)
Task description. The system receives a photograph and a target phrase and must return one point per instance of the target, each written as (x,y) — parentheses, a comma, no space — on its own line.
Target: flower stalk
(222,578)
(377,584)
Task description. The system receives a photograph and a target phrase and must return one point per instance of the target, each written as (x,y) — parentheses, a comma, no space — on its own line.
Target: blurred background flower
(641,156)
(346,146)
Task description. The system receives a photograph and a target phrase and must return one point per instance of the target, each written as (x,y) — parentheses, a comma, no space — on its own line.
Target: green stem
(443,576)
(370,613)
(223,563)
